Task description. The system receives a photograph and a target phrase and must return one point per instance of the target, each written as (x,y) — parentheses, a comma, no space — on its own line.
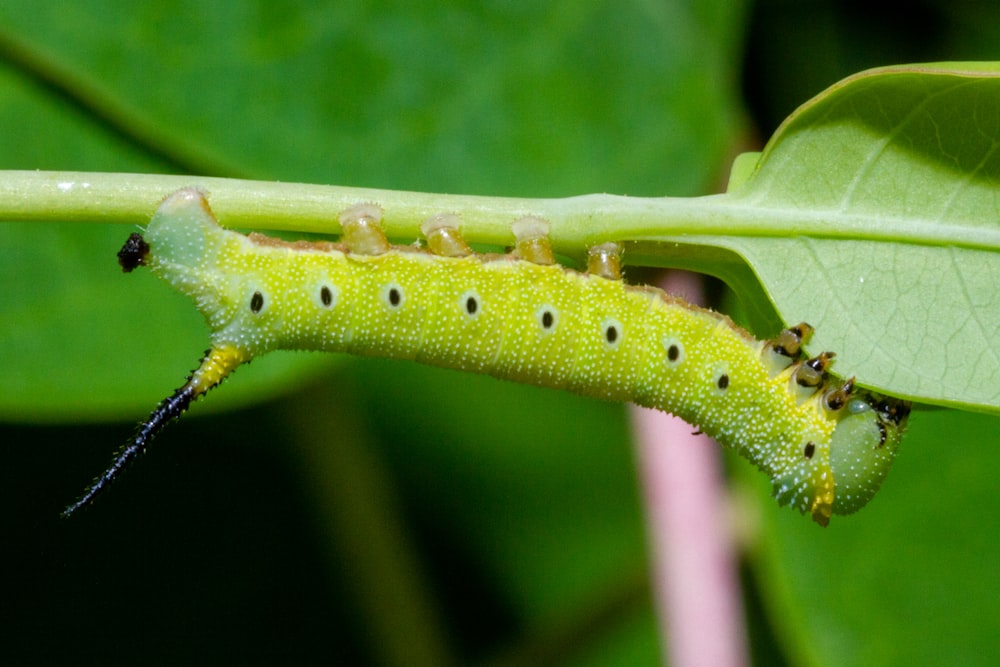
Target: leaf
(512,98)
(886,187)
(320,93)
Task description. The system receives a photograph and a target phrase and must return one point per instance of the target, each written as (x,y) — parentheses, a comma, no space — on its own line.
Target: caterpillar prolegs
(522,317)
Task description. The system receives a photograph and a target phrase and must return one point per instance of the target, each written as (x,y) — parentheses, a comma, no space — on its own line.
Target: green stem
(576,222)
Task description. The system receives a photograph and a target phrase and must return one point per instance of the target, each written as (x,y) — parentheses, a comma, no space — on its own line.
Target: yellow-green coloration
(519,317)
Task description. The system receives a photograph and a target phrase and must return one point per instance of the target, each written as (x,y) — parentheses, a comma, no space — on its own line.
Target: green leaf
(885,190)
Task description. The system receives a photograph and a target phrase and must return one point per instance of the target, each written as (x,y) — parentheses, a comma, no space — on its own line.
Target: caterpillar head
(863,448)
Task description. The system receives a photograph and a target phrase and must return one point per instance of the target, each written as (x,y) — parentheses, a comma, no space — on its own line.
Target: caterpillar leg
(217,364)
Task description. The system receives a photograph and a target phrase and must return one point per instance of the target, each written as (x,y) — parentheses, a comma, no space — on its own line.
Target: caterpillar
(520,316)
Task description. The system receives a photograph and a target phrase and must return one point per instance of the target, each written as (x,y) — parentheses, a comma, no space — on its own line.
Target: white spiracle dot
(257,302)
(673,351)
(470,303)
(326,296)
(721,379)
(548,318)
(392,296)
(612,332)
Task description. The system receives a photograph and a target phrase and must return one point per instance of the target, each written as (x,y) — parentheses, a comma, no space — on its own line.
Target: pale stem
(575,222)
(695,576)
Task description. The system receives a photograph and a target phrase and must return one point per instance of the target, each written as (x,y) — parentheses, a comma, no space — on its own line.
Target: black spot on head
(395,296)
(809,450)
(256,302)
(133,253)
(471,305)
(673,353)
(611,333)
(723,381)
(325,295)
(548,319)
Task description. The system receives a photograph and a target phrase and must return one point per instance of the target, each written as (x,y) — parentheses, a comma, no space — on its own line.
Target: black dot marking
(392,295)
(723,381)
(613,332)
(471,305)
(674,350)
(547,317)
(256,302)
(809,450)
(133,253)
(325,295)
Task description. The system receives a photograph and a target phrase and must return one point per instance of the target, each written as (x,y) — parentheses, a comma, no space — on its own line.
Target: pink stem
(695,582)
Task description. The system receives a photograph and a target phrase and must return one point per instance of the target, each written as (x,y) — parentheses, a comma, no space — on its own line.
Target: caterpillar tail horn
(217,364)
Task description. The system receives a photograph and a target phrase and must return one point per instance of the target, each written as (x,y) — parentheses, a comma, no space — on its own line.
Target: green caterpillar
(522,317)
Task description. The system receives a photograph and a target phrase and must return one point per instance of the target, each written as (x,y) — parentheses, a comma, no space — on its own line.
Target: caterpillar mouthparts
(519,316)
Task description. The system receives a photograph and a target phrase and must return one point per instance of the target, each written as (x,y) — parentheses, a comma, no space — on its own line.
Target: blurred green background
(318,509)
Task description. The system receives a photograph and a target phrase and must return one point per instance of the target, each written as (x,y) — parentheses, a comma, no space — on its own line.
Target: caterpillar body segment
(522,317)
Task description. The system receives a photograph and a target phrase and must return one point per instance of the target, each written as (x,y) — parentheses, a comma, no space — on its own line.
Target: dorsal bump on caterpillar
(533,245)
(788,343)
(837,397)
(605,260)
(362,229)
(443,237)
(520,316)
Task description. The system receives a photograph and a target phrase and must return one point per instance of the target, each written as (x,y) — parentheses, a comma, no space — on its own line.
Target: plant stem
(576,222)
(695,579)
